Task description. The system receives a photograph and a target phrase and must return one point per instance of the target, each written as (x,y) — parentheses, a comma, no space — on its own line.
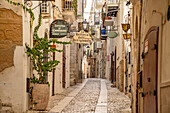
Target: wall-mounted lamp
(125,27)
(127,36)
(86,25)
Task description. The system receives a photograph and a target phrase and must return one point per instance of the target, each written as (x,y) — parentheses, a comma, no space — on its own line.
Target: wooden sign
(82,37)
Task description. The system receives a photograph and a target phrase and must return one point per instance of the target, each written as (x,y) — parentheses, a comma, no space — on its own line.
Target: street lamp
(126,27)
(127,35)
(86,25)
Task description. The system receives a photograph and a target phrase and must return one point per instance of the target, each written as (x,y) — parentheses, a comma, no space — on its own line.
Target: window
(67,5)
(45,7)
(129,57)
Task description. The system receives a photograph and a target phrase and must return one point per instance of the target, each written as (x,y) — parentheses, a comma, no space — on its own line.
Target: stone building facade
(14,63)
(149,44)
(15,66)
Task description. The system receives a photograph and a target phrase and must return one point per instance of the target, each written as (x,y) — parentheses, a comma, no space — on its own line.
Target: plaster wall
(149,19)
(134,53)
(108,58)
(160,19)
(13,37)
(73,63)
(11,91)
(58,72)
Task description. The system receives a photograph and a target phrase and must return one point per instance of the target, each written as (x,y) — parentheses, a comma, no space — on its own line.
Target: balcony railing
(67,5)
(113,1)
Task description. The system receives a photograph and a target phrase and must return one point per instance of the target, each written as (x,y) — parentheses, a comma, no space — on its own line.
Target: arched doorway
(150,67)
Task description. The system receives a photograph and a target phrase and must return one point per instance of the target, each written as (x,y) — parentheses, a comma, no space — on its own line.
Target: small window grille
(45,7)
(67,5)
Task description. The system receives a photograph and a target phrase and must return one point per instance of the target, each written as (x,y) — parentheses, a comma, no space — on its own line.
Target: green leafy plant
(75,6)
(38,53)
(40,49)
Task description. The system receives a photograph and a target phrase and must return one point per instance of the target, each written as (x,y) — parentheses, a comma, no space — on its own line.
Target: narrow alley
(84,56)
(92,96)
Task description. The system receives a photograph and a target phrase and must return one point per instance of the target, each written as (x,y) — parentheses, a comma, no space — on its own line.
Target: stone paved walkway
(86,100)
(92,96)
(118,102)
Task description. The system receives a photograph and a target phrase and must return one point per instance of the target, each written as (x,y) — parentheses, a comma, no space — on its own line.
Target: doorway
(150,67)
(64,68)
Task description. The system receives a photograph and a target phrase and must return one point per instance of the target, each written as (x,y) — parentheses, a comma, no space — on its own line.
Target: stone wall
(10,36)
(73,63)
(121,75)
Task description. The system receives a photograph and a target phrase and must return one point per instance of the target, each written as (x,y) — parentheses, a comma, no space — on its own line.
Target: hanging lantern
(86,25)
(125,27)
(127,35)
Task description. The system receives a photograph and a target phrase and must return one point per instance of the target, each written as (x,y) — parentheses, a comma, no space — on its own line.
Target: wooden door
(114,78)
(64,68)
(150,71)
(112,67)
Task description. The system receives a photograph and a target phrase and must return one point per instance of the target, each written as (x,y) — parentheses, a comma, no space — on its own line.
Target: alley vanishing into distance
(92,96)
(84,56)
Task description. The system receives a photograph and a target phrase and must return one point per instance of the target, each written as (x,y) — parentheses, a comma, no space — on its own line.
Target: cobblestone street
(91,96)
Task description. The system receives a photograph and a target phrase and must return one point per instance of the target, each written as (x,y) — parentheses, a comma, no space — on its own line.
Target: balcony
(112,8)
(112,1)
(68,11)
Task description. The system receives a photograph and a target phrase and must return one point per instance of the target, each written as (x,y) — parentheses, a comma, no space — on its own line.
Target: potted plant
(42,64)
(39,54)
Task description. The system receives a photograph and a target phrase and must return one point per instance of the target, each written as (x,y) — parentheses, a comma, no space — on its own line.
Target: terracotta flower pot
(40,95)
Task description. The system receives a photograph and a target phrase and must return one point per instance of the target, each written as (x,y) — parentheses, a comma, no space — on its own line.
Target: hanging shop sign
(59,29)
(99,44)
(112,34)
(82,37)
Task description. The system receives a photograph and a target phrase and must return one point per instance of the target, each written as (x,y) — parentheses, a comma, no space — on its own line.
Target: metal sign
(82,37)
(112,34)
(59,29)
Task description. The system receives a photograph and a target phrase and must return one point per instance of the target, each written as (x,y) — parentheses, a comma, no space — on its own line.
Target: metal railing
(113,1)
(67,5)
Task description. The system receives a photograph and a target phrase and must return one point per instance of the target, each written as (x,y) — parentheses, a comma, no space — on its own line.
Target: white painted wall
(13,79)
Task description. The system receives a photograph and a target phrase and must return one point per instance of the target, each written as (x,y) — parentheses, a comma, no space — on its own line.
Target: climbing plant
(75,6)
(40,51)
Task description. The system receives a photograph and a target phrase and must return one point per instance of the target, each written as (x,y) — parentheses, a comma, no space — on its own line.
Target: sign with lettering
(82,37)
(41,0)
(59,29)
